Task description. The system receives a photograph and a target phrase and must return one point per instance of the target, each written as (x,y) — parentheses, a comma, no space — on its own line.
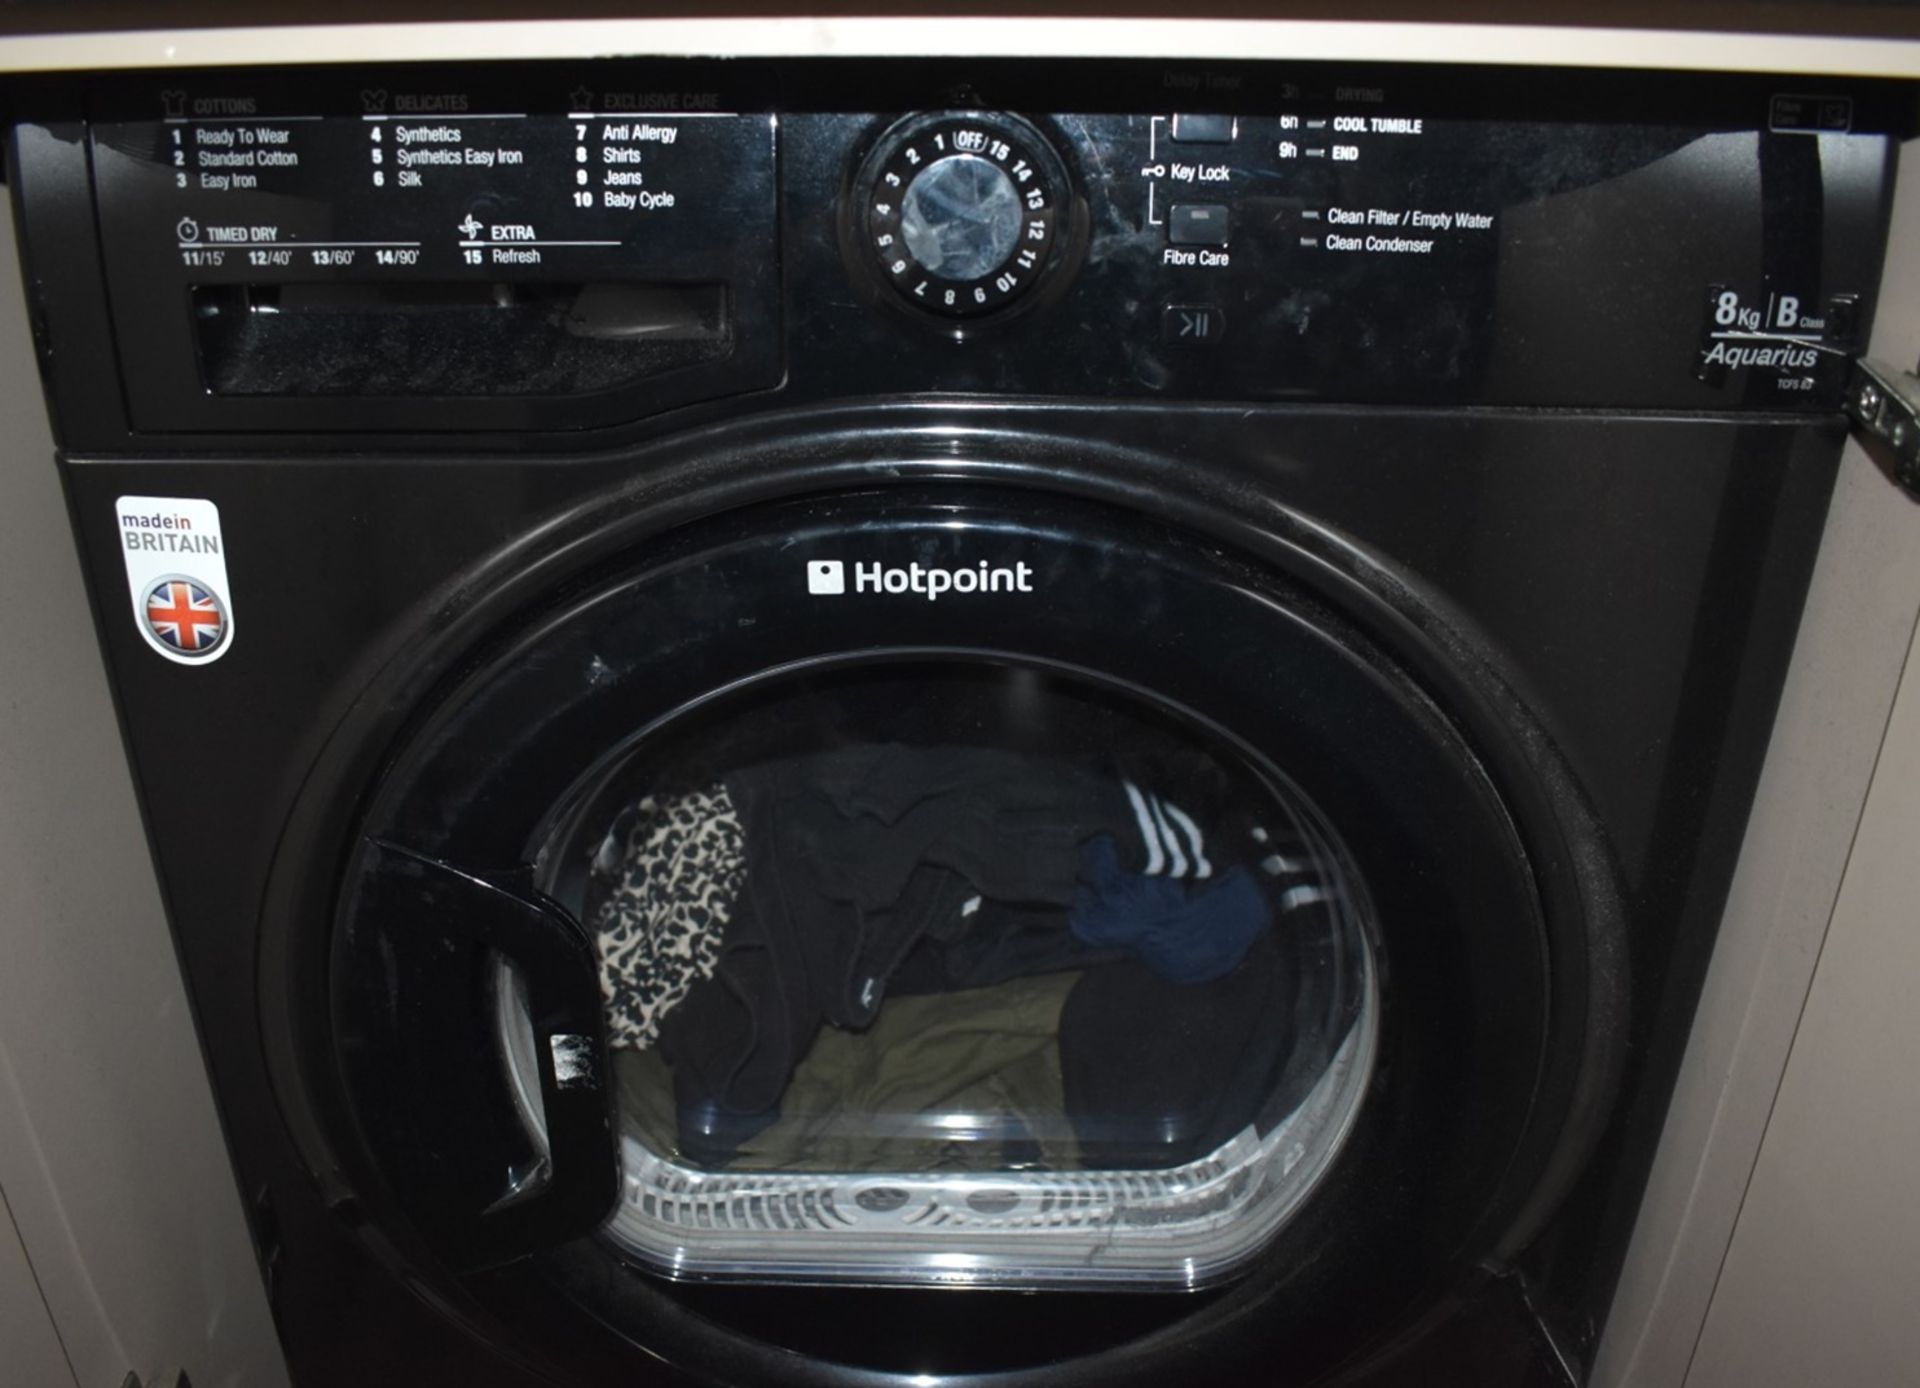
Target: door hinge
(1883,404)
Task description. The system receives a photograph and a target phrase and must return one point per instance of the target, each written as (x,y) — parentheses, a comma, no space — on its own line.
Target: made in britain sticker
(177,576)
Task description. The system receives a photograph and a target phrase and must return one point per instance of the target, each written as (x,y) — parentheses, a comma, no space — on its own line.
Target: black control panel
(350,254)
(560,248)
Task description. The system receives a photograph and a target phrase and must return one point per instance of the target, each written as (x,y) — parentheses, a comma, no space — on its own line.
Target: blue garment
(1184,931)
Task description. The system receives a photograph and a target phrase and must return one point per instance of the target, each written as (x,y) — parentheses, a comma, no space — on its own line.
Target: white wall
(1820,1283)
(110,1154)
(1833,713)
(29,1346)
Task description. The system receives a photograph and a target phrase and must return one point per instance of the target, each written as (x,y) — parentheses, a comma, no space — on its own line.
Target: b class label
(176,562)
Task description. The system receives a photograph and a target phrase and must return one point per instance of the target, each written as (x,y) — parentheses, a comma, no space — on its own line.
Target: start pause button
(1192,323)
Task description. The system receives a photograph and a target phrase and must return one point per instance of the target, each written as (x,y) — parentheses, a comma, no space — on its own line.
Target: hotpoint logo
(828,578)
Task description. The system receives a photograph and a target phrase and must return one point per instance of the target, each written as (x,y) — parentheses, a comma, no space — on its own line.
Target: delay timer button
(1203,130)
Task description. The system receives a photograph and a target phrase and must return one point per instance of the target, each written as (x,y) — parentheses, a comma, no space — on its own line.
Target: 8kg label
(1781,341)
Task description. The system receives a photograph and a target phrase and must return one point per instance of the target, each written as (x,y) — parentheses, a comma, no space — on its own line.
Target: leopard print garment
(675,865)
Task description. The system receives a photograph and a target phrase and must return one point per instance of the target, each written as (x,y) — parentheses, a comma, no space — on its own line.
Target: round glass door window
(958,973)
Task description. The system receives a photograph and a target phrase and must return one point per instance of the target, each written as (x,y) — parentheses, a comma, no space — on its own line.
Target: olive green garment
(939,1082)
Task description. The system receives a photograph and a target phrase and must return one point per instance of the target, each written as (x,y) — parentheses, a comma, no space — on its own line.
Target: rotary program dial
(962,210)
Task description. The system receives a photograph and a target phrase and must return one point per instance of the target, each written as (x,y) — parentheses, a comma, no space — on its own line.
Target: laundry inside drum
(974,973)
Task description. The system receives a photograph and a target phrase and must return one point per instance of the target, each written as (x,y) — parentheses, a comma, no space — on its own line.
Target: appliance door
(866,906)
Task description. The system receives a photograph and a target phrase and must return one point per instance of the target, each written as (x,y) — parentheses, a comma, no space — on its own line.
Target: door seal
(1883,405)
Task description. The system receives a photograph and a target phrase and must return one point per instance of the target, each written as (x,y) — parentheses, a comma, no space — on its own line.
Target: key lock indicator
(963,213)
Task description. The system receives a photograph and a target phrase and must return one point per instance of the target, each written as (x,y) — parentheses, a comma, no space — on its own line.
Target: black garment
(998,942)
(853,858)
(1157,1073)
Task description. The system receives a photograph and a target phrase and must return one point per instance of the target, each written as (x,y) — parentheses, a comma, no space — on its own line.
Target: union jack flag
(185,616)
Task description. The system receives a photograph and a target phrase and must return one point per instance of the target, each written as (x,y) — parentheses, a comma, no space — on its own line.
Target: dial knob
(961,217)
(962,210)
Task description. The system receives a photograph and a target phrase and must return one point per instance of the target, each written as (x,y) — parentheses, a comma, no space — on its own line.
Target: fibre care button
(1197,224)
(1192,324)
(1203,130)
